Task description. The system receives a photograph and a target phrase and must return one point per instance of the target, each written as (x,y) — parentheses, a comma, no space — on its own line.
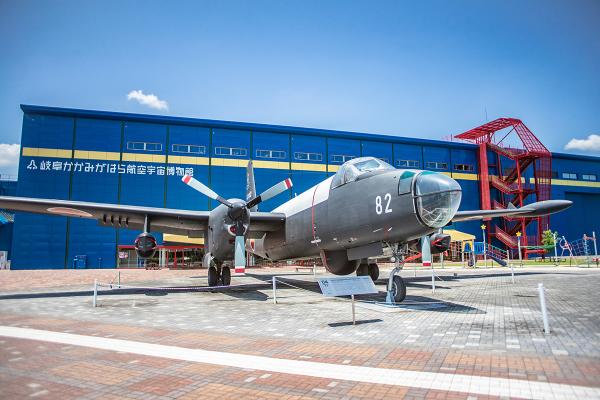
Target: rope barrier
(362,301)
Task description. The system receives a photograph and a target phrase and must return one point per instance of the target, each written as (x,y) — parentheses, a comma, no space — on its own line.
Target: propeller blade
(271,192)
(426,251)
(250,185)
(205,190)
(240,254)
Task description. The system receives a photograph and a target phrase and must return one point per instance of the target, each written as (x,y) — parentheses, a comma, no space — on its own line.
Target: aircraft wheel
(398,289)
(373,272)
(213,276)
(362,270)
(226,276)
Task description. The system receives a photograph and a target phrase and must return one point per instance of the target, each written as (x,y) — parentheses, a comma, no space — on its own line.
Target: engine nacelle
(337,262)
(440,242)
(145,245)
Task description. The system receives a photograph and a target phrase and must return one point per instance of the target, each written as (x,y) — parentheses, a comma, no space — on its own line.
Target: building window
(408,163)
(231,151)
(569,175)
(279,154)
(588,177)
(302,156)
(341,158)
(144,146)
(436,165)
(188,148)
(463,167)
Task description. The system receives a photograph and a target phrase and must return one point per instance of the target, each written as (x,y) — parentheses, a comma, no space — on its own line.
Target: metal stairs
(528,174)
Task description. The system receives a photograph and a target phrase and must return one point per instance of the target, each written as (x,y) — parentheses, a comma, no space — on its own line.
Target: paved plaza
(478,336)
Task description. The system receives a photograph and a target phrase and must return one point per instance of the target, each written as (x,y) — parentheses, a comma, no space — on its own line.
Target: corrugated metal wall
(141,163)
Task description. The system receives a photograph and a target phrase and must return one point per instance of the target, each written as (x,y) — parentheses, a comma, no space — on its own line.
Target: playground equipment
(579,249)
(500,256)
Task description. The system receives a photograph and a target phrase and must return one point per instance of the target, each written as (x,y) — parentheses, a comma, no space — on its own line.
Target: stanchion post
(314,269)
(484,246)
(95,292)
(274,290)
(119,279)
(353,311)
(595,245)
(519,248)
(543,306)
(432,280)
(512,271)
(555,250)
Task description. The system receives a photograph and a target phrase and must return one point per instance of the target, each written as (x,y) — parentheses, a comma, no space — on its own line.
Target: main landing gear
(368,269)
(218,275)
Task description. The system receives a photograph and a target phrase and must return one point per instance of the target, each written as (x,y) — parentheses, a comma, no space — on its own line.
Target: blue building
(8,187)
(140,159)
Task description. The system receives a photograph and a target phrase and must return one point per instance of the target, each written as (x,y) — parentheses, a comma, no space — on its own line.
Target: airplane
(365,207)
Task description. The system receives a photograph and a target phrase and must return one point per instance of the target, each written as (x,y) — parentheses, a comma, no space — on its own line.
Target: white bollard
(353,312)
(543,306)
(274,290)
(432,280)
(512,273)
(95,292)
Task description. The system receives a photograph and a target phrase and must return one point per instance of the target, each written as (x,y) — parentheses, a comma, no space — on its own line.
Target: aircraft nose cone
(428,183)
(438,198)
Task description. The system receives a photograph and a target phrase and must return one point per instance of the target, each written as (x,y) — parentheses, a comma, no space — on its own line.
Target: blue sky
(423,69)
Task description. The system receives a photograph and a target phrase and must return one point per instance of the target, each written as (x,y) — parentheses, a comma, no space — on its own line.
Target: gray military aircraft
(346,219)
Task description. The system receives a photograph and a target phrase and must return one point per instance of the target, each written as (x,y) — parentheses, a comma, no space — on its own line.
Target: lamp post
(519,248)
(484,245)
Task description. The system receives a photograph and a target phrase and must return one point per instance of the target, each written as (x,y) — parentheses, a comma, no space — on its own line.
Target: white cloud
(149,100)
(592,143)
(9,158)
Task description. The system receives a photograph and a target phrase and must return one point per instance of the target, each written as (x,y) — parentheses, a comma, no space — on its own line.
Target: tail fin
(250,185)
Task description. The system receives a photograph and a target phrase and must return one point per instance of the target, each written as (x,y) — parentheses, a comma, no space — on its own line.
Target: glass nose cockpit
(357,168)
(437,198)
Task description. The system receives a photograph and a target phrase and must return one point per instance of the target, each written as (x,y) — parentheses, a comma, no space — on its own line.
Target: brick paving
(486,327)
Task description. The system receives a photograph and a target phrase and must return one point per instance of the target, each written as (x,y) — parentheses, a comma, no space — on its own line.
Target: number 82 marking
(379,206)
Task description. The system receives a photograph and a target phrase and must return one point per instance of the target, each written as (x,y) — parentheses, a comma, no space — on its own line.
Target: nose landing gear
(396,288)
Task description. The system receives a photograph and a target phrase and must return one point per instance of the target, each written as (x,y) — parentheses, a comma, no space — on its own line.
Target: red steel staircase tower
(522,171)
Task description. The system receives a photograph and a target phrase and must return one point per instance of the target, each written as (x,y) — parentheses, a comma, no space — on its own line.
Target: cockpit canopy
(357,167)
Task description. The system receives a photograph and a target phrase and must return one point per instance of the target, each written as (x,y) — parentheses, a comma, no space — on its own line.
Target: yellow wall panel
(309,167)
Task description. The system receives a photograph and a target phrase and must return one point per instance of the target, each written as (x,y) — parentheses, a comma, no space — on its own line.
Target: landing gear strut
(396,288)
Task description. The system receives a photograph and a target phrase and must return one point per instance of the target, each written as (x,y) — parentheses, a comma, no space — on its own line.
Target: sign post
(484,246)
(347,286)
(519,248)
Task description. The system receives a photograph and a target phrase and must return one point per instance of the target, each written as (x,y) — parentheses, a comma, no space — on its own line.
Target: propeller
(239,212)
(426,251)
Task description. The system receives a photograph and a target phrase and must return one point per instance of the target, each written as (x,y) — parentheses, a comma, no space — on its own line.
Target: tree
(548,240)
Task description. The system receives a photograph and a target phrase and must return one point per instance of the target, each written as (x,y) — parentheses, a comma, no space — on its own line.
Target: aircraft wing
(538,209)
(166,220)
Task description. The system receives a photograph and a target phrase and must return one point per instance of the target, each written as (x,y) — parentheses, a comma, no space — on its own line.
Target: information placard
(347,285)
